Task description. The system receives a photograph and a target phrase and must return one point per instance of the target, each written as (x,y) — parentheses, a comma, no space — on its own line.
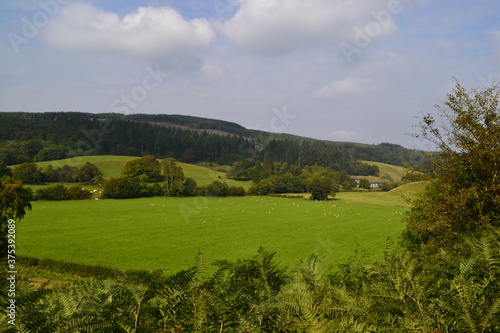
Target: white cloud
(345,87)
(280,26)
(148,32)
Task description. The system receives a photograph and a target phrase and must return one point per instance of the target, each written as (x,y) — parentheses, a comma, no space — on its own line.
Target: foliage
(174,176)
(121,188)
(60,192)
(14,202)
(189,187)
(464,197)
(236,191)
(191,139)
(4,170)
(51,153)
(88,173)
(146,165)
(321,184)
(78,134)
(398,294)
(53,192)
(27,173)
(364,183)
(216,189)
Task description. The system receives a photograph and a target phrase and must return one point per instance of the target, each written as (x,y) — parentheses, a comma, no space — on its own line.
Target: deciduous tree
(146,165)
(14,202)
(465,196)
(174,176)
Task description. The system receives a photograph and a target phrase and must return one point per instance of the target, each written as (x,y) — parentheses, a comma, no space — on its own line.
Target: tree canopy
(146,165)
(14,202)
(464,197)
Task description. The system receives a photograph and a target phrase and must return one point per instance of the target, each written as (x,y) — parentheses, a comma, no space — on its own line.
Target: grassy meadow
(166,233)
(112,166)
(393,171)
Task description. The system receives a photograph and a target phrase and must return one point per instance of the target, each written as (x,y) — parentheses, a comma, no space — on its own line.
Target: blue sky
(342,70)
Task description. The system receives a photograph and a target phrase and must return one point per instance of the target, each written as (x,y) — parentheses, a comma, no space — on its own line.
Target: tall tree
(146,165)
(14,202)
(464,197)
(174,176)
(321,184)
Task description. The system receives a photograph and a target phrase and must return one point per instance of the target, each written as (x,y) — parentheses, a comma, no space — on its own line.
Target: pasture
(112,166)
(167,233)
(393,171)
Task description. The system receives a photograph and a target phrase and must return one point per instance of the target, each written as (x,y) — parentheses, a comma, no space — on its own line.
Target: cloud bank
(281,26)
(148,32)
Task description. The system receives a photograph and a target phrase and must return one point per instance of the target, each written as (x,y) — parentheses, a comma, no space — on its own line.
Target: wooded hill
(26,137)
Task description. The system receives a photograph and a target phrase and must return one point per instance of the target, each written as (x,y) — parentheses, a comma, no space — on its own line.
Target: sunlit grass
(168,232)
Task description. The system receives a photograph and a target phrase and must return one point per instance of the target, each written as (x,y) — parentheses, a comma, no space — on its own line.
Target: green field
(167,233)
(393,171)
(205,176)
(112,166)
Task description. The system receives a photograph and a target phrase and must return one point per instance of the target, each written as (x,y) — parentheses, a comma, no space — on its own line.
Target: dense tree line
(168,179)
(60,192)
(336,156)
(28,137)
(340,155)
(276,177)
(30,173)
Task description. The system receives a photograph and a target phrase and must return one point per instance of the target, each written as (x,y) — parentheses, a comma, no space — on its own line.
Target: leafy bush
(217,189)
(146,165)
(236,191)
(27,173)
(121,188)
(53,192)
(60,192)
(78,193)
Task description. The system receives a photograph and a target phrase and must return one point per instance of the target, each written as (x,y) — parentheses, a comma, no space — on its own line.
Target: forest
(36,137)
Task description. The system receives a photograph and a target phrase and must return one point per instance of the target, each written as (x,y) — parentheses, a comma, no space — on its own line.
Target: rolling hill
(26,137)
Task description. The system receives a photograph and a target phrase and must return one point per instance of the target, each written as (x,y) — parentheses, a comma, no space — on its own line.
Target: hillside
(47,136)
(112,166)
(387,170)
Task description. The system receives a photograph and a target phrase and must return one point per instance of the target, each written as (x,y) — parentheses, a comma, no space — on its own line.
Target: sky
(340,70)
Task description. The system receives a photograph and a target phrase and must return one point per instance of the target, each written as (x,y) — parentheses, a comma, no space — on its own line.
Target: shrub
(53,192)
(78,193)
(121,188)
(217,189)
(27,173)
(146,165)
(236,191)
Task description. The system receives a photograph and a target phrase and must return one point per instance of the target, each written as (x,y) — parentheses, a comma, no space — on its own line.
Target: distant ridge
(26,136)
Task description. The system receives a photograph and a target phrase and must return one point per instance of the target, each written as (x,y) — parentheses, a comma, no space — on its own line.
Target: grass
(205,176)
(112,166)
(167,233)
(408,191)
(395,172)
